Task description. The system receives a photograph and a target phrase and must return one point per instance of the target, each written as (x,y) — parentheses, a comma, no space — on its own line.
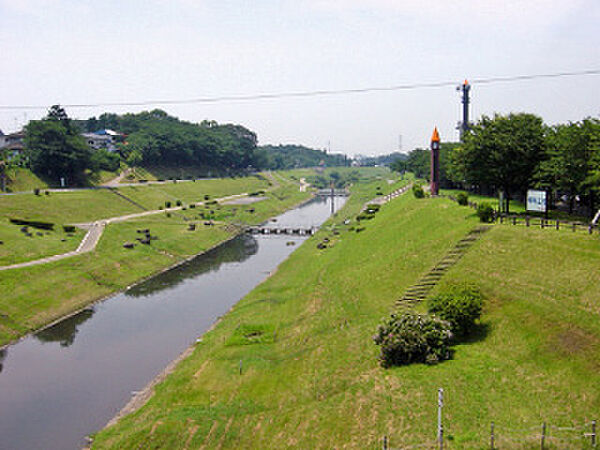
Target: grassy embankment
(89,205)
(34,296)
(313,380)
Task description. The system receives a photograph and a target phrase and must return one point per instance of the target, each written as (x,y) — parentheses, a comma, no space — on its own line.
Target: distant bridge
(302,231)
(336,192)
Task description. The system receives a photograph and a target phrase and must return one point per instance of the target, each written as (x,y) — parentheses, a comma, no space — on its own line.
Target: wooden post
(574,226)
(543,435)
(385,443)
(514,220)
(557,224)
(542,223)
(527,220)
(590,229)
(492,436)
(440,427)
(593,433)
(240,366)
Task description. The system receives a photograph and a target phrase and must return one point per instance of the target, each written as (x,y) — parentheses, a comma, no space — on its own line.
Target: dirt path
(115,181)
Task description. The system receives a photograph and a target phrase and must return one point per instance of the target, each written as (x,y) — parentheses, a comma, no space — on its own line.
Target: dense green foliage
(339,179)
(55,149)
(283,157)
(154,137)
(503,151)
(462,198)
(460,306)
(572,163)
(418,191)
(413,338)
(485,212)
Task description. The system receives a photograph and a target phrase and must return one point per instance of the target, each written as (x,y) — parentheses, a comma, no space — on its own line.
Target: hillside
(318,385)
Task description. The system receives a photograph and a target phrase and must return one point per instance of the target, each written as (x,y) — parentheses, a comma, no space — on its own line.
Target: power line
(267,96)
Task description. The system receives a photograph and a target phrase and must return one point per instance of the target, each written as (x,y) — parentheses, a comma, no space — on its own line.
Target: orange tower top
(466,82)
(435,137)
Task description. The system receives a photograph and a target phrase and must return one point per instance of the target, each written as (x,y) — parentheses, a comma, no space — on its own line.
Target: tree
(571,156)
(502,152)
(54,147)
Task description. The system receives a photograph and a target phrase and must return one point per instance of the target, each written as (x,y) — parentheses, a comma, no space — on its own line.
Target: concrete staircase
(419,291)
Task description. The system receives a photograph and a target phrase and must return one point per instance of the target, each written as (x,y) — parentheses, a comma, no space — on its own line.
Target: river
(67,381)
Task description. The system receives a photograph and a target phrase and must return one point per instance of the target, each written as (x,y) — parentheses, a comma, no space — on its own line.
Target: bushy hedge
(413,338)
(460,306)
(33,223)
(69,228)
(462,198)
(418,191)
(485,212)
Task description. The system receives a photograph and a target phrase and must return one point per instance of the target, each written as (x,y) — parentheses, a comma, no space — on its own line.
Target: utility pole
(465,88)
(435,163)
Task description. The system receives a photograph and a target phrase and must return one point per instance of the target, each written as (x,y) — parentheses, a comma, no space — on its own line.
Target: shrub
(485,212)
(192,206)
(458,305)
(33,223)
(462,198)
(69,228)
(167,204)
(418,191)
(178,202)
(36,191)
(413,338)
(206,197)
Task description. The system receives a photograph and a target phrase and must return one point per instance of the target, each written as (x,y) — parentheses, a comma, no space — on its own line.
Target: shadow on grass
(479,333)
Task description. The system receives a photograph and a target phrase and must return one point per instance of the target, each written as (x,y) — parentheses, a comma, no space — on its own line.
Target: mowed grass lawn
(89,205)
(17,247)
(316,383)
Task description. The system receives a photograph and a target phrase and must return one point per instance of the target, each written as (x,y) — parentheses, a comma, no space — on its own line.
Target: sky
(126,51)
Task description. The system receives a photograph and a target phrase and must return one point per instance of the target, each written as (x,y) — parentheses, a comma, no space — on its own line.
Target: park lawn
(89,205)
(153,173)
(153,196)
(66,207)
(316,383)
(16,247)
(34,296)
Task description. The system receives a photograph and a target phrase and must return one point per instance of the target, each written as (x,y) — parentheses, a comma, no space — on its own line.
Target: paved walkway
(95,230)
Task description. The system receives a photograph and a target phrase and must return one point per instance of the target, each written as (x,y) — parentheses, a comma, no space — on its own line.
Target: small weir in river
(69,380)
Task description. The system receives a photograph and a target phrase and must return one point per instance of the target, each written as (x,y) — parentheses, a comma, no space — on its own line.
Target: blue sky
(80,51)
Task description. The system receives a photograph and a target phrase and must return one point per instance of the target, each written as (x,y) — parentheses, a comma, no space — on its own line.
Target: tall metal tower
(464,125)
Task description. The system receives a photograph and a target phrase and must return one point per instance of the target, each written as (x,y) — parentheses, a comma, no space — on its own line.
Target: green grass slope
(315,383)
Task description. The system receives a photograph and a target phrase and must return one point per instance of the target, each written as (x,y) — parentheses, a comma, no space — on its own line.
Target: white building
(106,139)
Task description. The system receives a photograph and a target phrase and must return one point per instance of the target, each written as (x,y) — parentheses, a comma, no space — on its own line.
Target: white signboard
(536,200)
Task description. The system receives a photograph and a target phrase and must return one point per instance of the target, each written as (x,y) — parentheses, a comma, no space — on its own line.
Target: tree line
(54,147)
(516,152)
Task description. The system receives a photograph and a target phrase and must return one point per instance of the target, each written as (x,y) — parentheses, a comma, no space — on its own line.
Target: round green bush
(460,306)
(462,198)
(418,191)
(485,212)
(413,338)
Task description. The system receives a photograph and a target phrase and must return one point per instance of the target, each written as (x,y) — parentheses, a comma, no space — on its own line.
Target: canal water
(67,381)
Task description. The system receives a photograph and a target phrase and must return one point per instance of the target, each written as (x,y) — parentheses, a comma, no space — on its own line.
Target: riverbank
(317,383)
(58,289)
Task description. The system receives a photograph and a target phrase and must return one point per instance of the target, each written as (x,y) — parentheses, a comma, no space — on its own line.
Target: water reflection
(65,331)
(238,249)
